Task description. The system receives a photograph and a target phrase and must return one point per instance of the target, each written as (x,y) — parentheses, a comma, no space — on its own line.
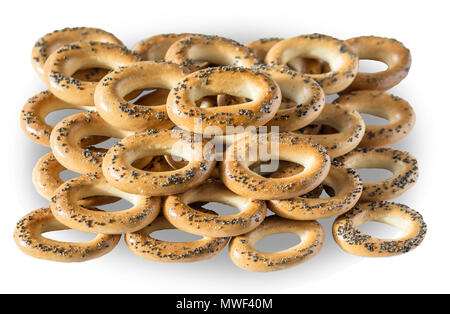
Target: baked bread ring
(66,209)
(51,42)
(191,50)
(304,98)
(29,239)
(397,111)
(178,212)
(346,186)
(261,46)
(401,164)
(65,141)
(343,62)
(154,48)
(237,176)
(241,82)
(142,244)
(353,241)
(120,173)
(64,62)
(37,108)
(389,51)
(46,180)
(349,124)
(244,255)
(118,112)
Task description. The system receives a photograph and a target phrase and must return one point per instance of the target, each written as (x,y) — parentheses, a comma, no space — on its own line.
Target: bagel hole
(107,144)
(91,75)
(370,119)
(69,235)
(379,230)
(371,66)
(174,235)
(372,175)
(219,208)
(149,97)
(54,117)
(327,192)
(118,206)
(276,168)
(327,129)
(277,242)
(66,175)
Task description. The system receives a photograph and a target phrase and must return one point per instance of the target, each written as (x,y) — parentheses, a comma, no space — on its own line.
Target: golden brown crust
(237,176)
(342,60)
(119,172)
(29,239)
(155,48)
(142,244)
(401,164)
(212,49)
(264,92)
(349,124)
(178,212)
(67,60)
(110,92)
(302,98)
(244,255)
(387,50)
(51,42)
(353,241)
(398,112)
(347,189)
(67,210)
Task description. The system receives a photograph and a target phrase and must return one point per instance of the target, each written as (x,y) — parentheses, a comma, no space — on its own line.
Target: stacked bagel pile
(205,119)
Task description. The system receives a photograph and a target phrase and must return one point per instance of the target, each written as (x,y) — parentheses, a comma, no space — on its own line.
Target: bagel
(46,180)
(191,50)
(64,62)
(347,189)
(389,51)
(349,124)
(305,95)
(397,111)
(120,173)
(118,112)
(177,211)
(353,241)
(401,164)
(66,209)
(237,176)
(261,46)
(29,239)
(51,42)
(155,48)
(143,245)
(244,255)
(241,82)
(343,62)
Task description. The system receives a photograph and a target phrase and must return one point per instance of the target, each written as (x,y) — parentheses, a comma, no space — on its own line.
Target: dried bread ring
(143,245)
(120,173)
(178,212)
(67,210)
(46,180)
(244,255)
(343,62)
(397,111)
(389,51)
(51,42)
(401,164)
(217,50)
(261,46)
(155,48)
(64,62)
(241,82)
(29,239)
(305,96)
(237,176)
(347,188)
(353,241)
(349,124)
(118,112)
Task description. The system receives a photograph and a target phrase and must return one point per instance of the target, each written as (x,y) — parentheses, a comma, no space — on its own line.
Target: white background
(421,26)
